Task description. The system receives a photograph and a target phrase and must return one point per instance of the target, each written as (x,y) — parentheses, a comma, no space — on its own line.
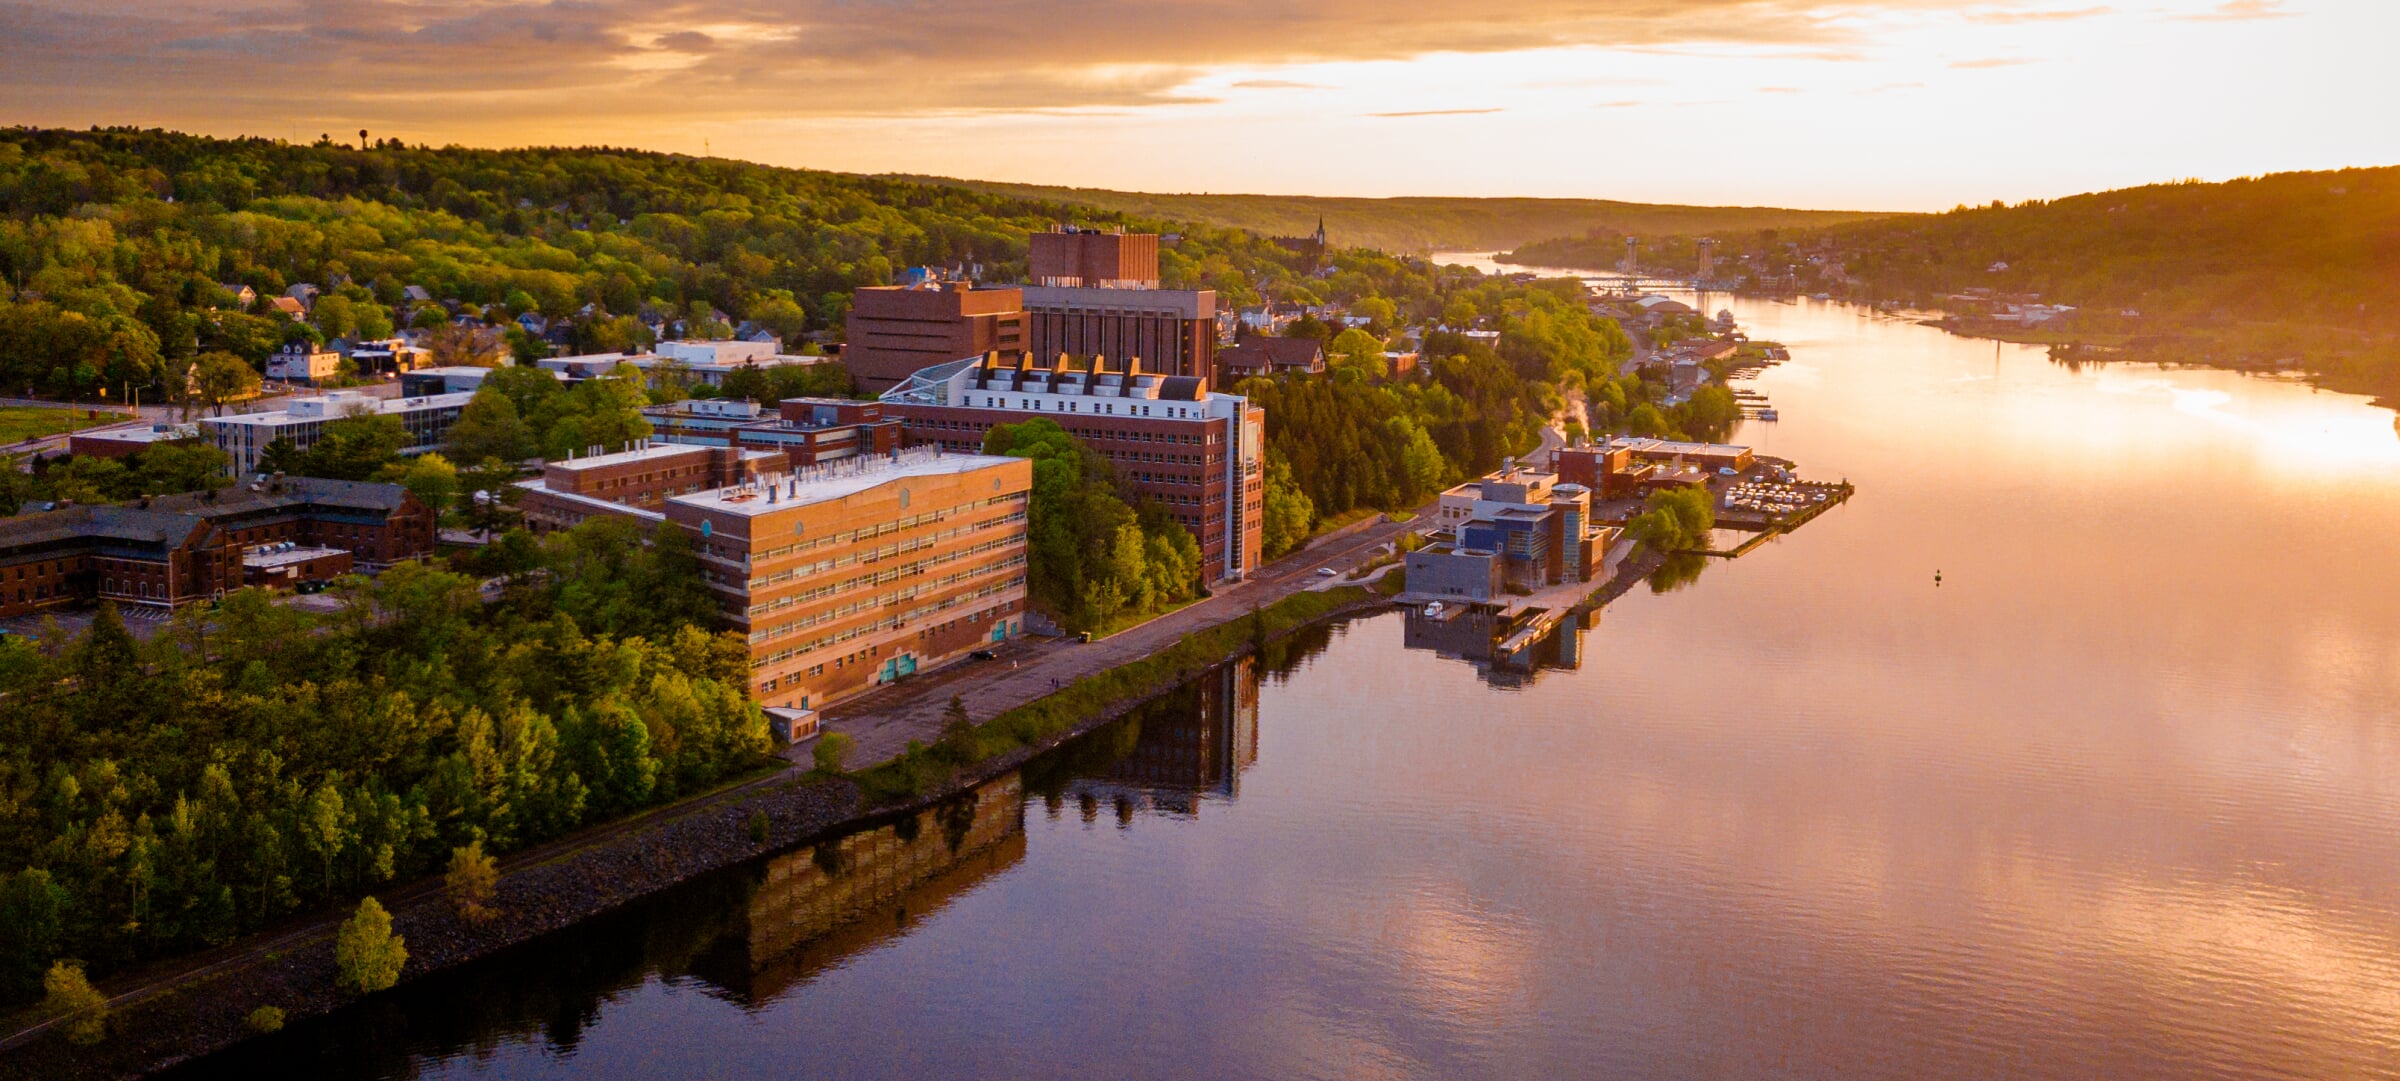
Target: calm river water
(2119,797)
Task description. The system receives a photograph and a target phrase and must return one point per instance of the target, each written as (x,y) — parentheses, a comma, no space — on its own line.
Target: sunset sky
(1898,104)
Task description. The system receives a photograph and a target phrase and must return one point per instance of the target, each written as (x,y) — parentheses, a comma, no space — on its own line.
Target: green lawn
(22,422)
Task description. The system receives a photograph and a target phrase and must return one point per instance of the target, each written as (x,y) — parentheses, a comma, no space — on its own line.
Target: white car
(1326,572)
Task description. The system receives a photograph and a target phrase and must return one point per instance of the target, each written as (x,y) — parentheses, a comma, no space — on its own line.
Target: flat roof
(627,509)
(645,453)
(1669,446)
(371,405)
(145,433)
(284,557)
(834,480)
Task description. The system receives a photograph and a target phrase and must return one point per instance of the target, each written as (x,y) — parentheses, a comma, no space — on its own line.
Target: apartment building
(1198,453)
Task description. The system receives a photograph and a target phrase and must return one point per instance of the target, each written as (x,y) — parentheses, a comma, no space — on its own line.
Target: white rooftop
(646,452)
(341,404)
(277,557)
(834,480)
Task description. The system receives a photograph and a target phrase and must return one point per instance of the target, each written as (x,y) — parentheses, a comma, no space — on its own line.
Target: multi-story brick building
(807,431)
(1198,453)
(173,550)
(842,576)
(1093,294)
(892,331)
(1171,331)
(643,477)
(1070,256)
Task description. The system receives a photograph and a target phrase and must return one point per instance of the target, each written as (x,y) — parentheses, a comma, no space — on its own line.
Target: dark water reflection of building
(754,934)
(1172,755)
(814,907)
(1481,636)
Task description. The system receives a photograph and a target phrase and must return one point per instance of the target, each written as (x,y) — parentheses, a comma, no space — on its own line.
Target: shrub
(367,953)
(831,752)
(264,1020)
(472,879)
(69,995)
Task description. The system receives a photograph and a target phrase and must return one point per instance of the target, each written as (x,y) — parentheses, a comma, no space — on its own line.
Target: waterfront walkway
(883,721)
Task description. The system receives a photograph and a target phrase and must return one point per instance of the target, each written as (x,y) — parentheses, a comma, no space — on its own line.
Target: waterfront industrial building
(1515,529)
(1199,453)
(1630,466)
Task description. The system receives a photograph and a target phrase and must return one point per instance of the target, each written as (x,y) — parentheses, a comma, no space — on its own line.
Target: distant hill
(1420,223)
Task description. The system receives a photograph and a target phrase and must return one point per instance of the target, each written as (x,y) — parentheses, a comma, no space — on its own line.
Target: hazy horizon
(1893,105)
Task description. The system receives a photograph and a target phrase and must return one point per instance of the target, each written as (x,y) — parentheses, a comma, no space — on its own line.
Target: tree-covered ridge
(114,244)
(2300,268)
(256,760)
(1419,224)
(2322,246)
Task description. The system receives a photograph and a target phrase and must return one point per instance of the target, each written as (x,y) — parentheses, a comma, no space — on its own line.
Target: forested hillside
(1422,224)
(2288,270)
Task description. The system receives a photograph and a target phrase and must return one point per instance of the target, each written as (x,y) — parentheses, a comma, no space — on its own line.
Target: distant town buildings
(1631,466)
(303,362)
(1198,453)
(1270,356)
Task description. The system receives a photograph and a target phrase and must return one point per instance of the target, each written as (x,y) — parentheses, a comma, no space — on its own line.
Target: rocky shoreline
(206,1013)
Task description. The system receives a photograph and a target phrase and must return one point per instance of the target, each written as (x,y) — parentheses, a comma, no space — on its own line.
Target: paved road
(883,721)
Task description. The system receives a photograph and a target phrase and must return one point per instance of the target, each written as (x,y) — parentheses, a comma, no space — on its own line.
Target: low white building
(243,437)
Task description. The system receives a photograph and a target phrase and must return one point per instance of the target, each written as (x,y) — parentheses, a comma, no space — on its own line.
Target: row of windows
(886,600)
(1072,405)
(1017,582)
(894,526)
(876,555)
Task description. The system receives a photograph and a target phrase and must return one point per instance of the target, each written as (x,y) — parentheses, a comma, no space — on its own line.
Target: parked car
(310,585)
(982,655)
(1327,572)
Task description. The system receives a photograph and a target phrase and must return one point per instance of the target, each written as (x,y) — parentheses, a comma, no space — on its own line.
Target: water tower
(1631,264)
(1708,259)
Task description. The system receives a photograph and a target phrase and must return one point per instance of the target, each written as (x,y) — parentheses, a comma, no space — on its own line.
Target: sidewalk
(883,721)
